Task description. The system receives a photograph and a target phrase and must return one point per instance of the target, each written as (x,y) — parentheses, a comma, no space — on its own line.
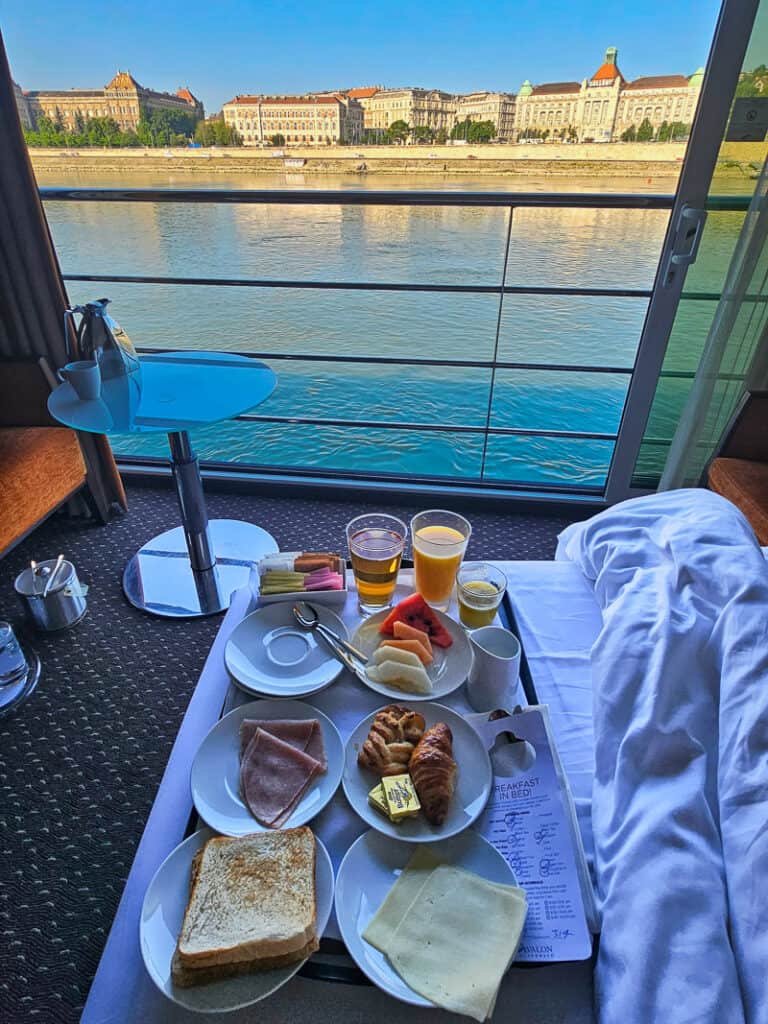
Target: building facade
(122,99)
(364,96)
(419,108)
(315,120)
(498,107)
(659,98)
(22,106)
(602,107)
(551,107)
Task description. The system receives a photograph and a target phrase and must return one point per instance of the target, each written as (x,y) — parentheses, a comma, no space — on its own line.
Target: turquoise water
(463,246)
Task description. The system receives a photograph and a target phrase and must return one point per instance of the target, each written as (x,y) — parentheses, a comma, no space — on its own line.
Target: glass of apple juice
(479,590)
(376,545)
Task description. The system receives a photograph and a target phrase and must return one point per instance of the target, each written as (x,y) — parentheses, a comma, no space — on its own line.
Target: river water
(598,248)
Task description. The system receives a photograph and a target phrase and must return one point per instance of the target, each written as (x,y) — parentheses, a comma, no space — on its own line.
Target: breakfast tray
(122,990)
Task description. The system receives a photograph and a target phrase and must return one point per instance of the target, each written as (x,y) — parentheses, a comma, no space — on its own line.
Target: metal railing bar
(716,296)
(387,286)
(482,364)
(368,197)
(728,203)
(690,374)
(363,286)
(489,407)
(329,475)
(440,428)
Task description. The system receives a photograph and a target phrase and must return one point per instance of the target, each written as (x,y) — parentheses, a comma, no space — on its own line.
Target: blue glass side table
(192,569)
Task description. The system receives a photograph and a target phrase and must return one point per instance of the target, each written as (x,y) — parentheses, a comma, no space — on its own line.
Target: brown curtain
(32,294)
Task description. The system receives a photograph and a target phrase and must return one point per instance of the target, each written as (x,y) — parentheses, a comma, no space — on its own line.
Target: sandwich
(251,907)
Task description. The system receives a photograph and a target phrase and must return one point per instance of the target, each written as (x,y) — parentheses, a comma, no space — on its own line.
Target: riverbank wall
(626,160)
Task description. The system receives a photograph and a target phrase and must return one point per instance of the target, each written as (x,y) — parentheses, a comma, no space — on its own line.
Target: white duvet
(680,799)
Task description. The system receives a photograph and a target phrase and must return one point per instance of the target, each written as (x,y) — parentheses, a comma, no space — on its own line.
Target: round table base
(160,580)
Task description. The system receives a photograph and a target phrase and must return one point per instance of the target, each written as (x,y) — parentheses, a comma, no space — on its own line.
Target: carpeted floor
(80,762)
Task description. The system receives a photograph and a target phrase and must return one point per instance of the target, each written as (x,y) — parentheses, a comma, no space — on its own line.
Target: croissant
(434,771)
(391,741)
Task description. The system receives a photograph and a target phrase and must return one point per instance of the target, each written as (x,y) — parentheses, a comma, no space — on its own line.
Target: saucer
(270,655)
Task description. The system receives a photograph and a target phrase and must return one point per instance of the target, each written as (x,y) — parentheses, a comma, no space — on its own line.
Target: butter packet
(400,797)
(377,801)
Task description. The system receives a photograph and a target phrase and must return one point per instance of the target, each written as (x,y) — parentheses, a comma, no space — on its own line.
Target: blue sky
(222,48)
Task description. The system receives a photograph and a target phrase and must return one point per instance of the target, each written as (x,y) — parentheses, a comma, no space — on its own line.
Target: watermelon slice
(415,611)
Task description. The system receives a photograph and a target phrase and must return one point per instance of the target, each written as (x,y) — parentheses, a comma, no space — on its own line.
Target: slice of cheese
(383,924)
(457,939)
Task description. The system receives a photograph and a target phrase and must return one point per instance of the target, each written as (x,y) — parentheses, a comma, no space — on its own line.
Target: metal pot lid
(30,583)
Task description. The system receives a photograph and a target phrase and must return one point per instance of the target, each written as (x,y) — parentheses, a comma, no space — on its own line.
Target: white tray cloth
(122,990)
(558,620)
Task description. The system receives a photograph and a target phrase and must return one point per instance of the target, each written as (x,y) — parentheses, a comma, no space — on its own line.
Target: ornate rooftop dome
(608,71)
(696,78)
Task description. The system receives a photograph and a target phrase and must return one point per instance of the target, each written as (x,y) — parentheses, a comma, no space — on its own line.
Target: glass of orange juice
(439,541)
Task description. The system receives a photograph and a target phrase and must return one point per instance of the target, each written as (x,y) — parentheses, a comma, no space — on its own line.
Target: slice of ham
(303,734)
(273,777)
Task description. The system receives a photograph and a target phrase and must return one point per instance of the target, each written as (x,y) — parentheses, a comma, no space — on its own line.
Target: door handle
(690,228)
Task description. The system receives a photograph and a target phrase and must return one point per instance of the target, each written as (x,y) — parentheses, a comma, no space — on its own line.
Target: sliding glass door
(656,387)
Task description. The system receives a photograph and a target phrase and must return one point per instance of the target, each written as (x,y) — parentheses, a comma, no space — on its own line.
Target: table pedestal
(193,569)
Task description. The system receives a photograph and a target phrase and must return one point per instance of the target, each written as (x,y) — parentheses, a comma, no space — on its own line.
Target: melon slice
(414,647)
(415,611)
(387,653)
(405,632)
(411,678)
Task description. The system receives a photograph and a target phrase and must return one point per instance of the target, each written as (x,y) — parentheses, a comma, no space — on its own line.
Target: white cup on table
(85,377)
(495,671)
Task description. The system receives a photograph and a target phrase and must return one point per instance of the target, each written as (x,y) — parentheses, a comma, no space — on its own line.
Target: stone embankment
(621,160)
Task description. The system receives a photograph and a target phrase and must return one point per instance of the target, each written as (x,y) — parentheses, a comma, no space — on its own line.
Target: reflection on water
(550,248)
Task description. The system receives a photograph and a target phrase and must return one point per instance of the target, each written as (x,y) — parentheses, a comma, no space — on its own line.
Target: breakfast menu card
(528,819)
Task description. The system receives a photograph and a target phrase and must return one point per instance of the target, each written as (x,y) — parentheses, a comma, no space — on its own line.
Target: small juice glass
(479,590)
(439,541)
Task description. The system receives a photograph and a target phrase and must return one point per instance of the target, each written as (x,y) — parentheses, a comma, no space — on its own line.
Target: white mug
(84,376)
(495,668)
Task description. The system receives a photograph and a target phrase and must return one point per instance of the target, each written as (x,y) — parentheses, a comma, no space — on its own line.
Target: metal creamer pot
(102,339)
(52,595)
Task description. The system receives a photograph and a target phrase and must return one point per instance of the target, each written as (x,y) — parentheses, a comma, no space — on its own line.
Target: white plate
(163,911)
(215,775)
(448,670)
(270,655)
(473,783)
(371,867)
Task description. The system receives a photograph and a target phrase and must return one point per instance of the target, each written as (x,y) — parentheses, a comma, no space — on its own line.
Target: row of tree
(566,132)
(668,131)
(399,132)
(156,128)
(216,132)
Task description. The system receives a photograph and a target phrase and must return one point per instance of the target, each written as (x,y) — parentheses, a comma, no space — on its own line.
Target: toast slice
(251,899)
(186,977)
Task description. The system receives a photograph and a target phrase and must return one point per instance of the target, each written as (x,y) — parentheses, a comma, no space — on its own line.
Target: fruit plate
(473,782)
(163,911)
(371,867)
(215,774)
(447,672)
